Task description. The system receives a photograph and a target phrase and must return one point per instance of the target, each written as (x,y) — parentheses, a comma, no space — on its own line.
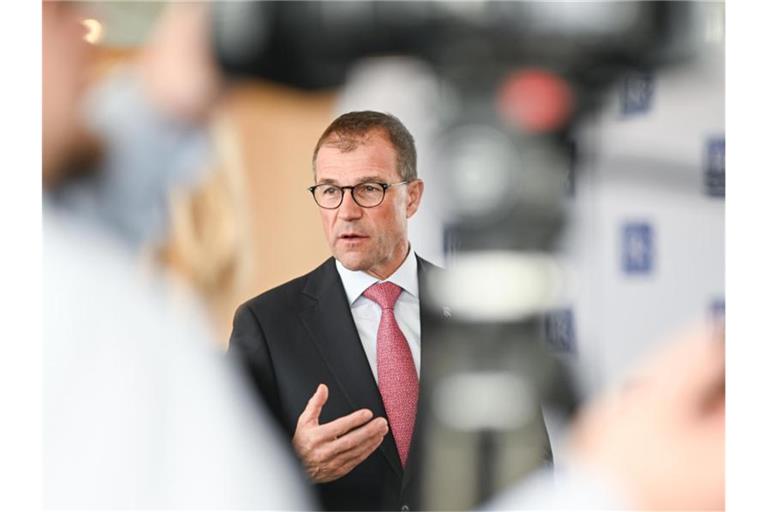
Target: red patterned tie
(398,381)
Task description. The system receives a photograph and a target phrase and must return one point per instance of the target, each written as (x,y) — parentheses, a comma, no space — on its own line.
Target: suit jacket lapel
(414,458)
(330,325)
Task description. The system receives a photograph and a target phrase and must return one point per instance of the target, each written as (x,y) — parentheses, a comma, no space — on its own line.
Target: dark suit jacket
(301,334)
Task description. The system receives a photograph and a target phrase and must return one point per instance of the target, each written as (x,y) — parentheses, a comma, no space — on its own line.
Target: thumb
(314,406)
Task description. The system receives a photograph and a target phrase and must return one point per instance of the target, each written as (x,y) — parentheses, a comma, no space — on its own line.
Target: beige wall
(229,252)
(277,129)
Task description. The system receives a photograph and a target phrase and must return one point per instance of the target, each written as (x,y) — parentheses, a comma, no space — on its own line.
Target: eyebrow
(364,179)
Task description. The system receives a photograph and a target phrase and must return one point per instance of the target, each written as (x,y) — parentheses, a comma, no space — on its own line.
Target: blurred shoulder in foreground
(140,409)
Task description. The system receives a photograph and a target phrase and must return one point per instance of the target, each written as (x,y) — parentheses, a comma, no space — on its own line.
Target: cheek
(393,224)
(399,215)
(327,221)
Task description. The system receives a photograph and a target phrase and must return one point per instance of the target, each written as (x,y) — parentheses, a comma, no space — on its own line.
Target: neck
(394,263)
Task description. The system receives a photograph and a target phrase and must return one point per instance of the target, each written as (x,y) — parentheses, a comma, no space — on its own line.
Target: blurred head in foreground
(65,57)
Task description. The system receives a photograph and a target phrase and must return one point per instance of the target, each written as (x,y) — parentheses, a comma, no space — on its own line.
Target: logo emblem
(637,248)
(559,332)
(717,311)
(636,93)
(714,167)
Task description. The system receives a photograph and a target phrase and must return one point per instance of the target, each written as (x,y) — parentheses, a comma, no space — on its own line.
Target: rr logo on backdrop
(637,248)
(636,93)
(559,331)
(717,310)
(714,167)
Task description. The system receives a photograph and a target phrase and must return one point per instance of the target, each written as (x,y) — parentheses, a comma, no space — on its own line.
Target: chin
(352,261)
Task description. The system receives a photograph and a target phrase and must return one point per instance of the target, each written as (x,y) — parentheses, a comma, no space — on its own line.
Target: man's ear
(415,191)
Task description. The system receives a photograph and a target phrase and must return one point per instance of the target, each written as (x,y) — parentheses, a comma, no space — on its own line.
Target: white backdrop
(646,237)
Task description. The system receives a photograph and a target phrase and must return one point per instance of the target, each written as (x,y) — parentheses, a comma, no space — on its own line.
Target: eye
(369,187)
(329,190)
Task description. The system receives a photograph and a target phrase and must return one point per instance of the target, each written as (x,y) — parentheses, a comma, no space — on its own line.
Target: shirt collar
(356,281)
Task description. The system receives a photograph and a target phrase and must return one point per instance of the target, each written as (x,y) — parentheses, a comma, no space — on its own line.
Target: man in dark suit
(315,346)
(337,353)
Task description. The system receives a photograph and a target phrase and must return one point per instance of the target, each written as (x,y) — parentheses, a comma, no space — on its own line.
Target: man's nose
(349,209)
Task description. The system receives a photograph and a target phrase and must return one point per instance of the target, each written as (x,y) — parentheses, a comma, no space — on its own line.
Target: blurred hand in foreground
(661,439)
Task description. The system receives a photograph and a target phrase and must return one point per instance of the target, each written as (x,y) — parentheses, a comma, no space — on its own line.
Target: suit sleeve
(248,346)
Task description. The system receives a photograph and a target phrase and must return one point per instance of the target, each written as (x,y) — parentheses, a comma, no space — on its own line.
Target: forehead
(373,156)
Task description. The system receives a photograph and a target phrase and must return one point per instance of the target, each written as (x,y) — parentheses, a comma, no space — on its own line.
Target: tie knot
(384,294)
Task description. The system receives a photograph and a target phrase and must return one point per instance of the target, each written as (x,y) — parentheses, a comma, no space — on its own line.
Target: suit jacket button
(405,508)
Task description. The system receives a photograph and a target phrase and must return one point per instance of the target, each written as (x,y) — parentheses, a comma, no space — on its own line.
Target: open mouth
(351,237)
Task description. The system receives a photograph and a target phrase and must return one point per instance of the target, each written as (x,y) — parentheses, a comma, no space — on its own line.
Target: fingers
(362,442)
(350,459)
(311,413)
(332,450)
(341,426)
(360,436)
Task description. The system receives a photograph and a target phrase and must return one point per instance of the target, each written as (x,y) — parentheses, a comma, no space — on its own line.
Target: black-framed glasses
(368,195)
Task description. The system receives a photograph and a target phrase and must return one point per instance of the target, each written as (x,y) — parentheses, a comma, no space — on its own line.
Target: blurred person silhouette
(139,410)
(209,243)
(161,170)
(150,119)
(657,443)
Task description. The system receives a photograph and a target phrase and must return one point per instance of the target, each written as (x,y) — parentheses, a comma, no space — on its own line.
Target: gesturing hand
(332,450)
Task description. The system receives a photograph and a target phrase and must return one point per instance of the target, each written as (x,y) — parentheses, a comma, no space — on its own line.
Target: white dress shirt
(367,314)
